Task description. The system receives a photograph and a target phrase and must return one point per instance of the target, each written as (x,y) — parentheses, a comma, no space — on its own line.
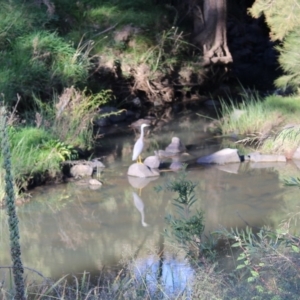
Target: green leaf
(240,267)
(295,248)
(235,245)
(241,256)
(254,273)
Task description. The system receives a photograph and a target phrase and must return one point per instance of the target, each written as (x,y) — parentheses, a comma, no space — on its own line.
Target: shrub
(40,62)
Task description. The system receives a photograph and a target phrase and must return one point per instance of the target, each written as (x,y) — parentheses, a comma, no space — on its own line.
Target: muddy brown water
(71,228)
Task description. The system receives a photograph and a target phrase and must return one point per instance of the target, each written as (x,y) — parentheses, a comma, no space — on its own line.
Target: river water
(70,228)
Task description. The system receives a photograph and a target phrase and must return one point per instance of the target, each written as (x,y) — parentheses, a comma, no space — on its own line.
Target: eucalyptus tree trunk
(209,18)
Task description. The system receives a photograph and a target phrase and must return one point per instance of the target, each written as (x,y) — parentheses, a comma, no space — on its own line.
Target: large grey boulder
(176,146)
(79,170)
(141,170)
(224,156)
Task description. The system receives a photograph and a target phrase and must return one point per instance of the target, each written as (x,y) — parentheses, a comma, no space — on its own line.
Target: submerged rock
(78,171)
(176,164)
(257,157)
(224,156)
(94,184)
(141,170)
(277,165)
(232,168)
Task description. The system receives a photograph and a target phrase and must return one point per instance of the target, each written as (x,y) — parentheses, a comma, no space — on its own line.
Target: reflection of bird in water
(139,204)
(139,145)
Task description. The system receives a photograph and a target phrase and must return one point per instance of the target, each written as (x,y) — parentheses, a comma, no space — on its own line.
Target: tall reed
(13,221)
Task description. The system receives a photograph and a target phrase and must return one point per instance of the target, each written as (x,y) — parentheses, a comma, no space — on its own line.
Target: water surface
(71,228)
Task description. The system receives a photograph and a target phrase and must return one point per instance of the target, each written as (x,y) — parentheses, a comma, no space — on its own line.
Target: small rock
(176,146)
(176,164)
(95,163)
(137,102)
(141,170)
(95,182)
(81,171)
(152,162)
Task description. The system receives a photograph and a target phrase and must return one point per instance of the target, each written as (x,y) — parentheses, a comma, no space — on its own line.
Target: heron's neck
(142,132)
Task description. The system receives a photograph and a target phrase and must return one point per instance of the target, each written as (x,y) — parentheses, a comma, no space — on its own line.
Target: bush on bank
(269,124)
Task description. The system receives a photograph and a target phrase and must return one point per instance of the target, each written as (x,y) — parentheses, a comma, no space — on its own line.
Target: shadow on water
(71,228)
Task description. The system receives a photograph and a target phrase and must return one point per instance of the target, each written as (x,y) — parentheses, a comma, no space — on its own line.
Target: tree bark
(210,30)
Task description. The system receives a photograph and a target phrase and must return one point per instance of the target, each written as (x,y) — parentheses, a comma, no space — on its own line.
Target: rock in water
(176,146)
(141,170)
(224,156)
(152,162)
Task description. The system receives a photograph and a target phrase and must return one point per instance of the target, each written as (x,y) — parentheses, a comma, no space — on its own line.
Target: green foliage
(289,60)
(44,59)
(72,115)
(18,18)
(293,181)
(282,18)
(258,122)
(64,151)
(286,140)
(264,257)
(188,226)
(36,151)
(168,50)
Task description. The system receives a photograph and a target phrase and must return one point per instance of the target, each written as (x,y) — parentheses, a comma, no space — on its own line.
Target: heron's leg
(140,192)
(139,159)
